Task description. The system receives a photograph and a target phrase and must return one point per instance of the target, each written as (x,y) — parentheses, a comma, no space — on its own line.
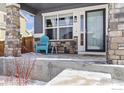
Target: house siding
(38,23)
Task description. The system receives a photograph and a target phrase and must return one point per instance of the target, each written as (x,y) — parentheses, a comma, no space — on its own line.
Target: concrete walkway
(79,77)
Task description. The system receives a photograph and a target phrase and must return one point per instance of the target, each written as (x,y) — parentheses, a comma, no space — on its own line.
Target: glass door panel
(95,30)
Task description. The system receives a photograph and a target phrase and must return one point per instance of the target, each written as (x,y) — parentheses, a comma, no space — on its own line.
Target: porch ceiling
(49,7)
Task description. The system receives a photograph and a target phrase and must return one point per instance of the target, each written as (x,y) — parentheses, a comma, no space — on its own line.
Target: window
(51,27)
(28,23)
(82,39)
(65,20)
(82,29)
(65,33)
(65,26)
(82,23)
(51,21)
(59,27)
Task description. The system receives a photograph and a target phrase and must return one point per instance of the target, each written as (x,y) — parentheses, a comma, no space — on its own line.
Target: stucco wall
(38,23)
(46,70)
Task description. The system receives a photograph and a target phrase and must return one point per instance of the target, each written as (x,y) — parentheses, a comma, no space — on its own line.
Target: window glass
(81,23)
(51,33)
(82,39)
(60,26)
(65,33)
(27,22)
(51,21)
(65,20)
(95,30)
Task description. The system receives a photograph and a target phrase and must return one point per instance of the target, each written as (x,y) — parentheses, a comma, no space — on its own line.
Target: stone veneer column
(12,40)
(116,33)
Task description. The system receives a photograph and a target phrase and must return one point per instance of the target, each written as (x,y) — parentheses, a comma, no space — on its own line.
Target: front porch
(71,25)
(65,26)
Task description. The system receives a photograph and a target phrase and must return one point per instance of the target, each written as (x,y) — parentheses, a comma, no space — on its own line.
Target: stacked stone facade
(12,39)
(116,34)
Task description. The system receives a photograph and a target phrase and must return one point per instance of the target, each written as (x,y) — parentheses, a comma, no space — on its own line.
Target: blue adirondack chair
(42,44)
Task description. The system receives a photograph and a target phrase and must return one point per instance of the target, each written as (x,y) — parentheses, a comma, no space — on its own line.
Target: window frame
(58,26)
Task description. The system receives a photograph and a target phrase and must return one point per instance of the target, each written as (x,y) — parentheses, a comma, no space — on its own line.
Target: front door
(95,30)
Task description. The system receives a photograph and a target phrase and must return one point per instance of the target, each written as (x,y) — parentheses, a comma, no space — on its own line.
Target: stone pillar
(116,33)
(12,39)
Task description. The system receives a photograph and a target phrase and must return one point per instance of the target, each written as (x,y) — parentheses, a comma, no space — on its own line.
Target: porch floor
(99,59)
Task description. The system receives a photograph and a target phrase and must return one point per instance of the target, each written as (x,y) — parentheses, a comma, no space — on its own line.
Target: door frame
(104,30)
